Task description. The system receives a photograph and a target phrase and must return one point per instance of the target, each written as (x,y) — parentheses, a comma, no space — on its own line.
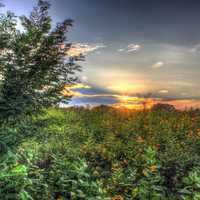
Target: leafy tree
(34,63)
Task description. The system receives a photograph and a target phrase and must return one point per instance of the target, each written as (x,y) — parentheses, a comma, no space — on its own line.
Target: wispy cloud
(84,48)
(72,90)
(158,64)
(121,50)
(181,83)
(130,48)
(184,93)
(84,78)
(163,91)
(79,86)
(195,48)
(133,47)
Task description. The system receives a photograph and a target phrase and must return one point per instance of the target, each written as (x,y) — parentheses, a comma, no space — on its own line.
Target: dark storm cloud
(168,21)
(94,100)
(171,21)
(93,90)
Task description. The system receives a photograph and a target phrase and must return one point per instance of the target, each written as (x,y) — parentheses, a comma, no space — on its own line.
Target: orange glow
(125,87)
(132,106)
(77,86)
(142,103)
(126,101)
(135,103)
(70,93)
(184,103)
(68,89)
(126,98)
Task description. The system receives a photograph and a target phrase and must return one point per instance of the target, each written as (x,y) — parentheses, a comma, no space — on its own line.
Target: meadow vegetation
(81,153)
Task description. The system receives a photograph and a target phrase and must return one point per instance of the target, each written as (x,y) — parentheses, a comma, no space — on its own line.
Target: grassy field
(101,153)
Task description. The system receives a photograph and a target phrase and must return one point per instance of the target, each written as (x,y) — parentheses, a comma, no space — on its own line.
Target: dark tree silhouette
(163,107)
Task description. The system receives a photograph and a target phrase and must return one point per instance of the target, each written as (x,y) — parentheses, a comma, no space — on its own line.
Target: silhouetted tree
(163,107)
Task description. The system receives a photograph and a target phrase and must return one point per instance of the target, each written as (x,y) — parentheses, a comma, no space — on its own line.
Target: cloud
(195,49)
(79,86)
(72,90)
(121,50)
(163,91)
(133,47)
(84,48)
(158,64)
(184,93)
(182,83)
(130,48)
(84,78)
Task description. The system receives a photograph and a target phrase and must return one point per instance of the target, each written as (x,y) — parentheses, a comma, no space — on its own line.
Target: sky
(135,50)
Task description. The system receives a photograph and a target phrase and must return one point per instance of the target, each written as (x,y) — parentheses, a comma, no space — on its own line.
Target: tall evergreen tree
(34,63)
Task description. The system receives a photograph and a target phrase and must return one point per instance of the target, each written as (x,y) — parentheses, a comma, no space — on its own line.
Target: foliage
(34,63)
(102,152)
(165,107)
(191,184)
(13,178)
(38,172)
